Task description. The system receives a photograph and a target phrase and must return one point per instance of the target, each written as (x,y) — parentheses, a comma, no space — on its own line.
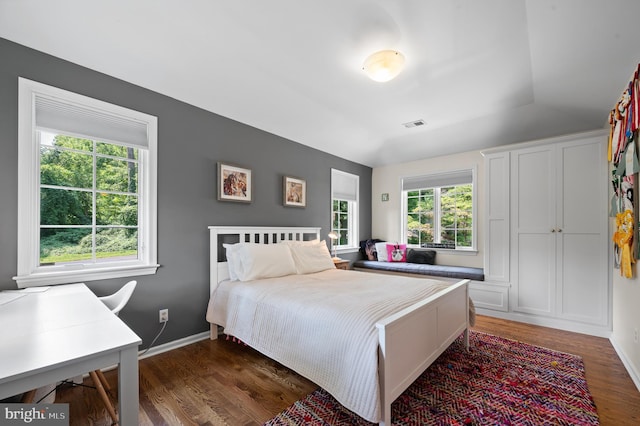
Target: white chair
(115,302)
(119,299)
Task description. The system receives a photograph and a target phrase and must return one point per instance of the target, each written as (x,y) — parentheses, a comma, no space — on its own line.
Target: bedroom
(191,142)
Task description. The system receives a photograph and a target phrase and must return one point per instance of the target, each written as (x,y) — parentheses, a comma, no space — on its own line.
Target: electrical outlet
(635,335)
(163,315)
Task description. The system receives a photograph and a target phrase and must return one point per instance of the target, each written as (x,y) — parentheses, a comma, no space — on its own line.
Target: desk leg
(128,403)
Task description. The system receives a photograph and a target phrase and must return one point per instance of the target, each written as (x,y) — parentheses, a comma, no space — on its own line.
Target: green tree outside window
(88,200)
(440,215)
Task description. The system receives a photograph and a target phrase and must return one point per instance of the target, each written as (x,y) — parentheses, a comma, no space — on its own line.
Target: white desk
(63,332)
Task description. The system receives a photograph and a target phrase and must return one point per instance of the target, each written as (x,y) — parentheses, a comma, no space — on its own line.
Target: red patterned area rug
(498,382)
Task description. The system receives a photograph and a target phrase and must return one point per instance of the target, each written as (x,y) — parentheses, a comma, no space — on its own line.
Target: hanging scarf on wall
(623,237)
(624,119)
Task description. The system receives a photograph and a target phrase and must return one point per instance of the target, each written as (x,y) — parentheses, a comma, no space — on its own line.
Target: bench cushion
(460,272)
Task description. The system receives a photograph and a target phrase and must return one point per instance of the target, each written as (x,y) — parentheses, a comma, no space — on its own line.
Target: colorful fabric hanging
(628,164)
(623,238)
(624,120)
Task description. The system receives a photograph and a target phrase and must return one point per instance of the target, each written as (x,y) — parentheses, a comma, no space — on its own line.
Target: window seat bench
(447,271)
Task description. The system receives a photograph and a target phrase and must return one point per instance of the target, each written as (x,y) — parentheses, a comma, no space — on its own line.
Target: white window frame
(29,272)
(339,175)
(438,177)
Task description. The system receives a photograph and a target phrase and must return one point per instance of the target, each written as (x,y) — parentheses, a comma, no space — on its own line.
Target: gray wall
(190,143)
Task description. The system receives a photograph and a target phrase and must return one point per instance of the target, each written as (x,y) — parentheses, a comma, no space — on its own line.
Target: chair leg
(104,396)
(27,397)
(103,380)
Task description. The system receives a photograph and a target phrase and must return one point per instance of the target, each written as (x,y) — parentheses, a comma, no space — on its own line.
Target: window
(439,210)
(87,188)
(344,208)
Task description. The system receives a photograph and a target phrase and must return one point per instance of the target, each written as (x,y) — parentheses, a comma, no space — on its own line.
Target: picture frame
(294,192)
(234,183)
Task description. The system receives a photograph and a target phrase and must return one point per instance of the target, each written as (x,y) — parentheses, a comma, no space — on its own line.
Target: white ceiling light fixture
(383,65)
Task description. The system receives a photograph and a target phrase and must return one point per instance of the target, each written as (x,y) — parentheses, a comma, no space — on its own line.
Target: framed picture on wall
(294,192)
(234,183)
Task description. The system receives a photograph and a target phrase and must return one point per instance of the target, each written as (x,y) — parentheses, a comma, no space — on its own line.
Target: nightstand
(341,263)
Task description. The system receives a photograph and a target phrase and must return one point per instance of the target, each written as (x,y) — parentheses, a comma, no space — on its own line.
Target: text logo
(34,414)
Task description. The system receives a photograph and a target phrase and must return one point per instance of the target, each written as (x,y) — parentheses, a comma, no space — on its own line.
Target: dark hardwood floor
(220,382)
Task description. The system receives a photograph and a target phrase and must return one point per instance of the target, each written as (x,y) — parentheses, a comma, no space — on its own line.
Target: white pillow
(310,258)
(264,261)
(381,249)
(233,261)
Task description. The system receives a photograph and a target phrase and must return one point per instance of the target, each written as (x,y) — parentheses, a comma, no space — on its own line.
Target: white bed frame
(409,341)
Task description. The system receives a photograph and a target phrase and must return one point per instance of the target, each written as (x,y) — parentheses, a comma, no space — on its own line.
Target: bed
(362,337)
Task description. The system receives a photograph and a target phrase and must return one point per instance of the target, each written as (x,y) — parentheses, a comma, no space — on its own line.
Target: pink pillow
(397,252)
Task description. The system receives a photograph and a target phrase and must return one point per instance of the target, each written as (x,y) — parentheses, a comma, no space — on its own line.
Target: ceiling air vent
(414,123)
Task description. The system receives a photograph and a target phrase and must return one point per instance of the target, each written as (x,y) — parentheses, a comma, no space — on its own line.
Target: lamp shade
(333,235)
(383,65)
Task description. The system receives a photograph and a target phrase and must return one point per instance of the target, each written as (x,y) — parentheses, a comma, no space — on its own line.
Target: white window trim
(353,216)
(353,228)
(29,272)
(474,211)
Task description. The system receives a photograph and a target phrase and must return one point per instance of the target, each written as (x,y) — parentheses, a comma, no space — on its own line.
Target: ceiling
(480,73)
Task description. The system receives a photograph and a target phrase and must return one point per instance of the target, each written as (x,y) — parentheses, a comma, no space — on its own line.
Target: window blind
(437,180)
(344,186)
(87,122)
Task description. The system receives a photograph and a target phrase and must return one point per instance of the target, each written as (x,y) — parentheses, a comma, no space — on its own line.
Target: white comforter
(321,325)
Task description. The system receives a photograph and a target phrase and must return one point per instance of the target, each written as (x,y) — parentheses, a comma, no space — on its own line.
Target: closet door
(496,249)
(582,290)
(533,230)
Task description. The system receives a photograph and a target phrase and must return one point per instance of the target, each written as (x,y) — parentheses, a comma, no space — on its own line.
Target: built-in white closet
(546,242)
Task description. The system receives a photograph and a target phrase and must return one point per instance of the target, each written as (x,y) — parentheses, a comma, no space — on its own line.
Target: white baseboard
(625,361)
(175,344)
(165,347)
(593,330)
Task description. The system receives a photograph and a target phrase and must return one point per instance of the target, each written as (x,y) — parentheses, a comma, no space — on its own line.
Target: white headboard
(248,234)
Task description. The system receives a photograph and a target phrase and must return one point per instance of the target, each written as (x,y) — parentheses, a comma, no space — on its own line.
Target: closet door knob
(559,229)
(553,230)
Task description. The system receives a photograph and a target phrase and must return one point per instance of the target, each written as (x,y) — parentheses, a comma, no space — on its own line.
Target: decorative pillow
(397,252)
(311,258)
(233,261)
(427,257)
(381,249)
(264,261)
(370,250)
(363,244)
(372,243)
